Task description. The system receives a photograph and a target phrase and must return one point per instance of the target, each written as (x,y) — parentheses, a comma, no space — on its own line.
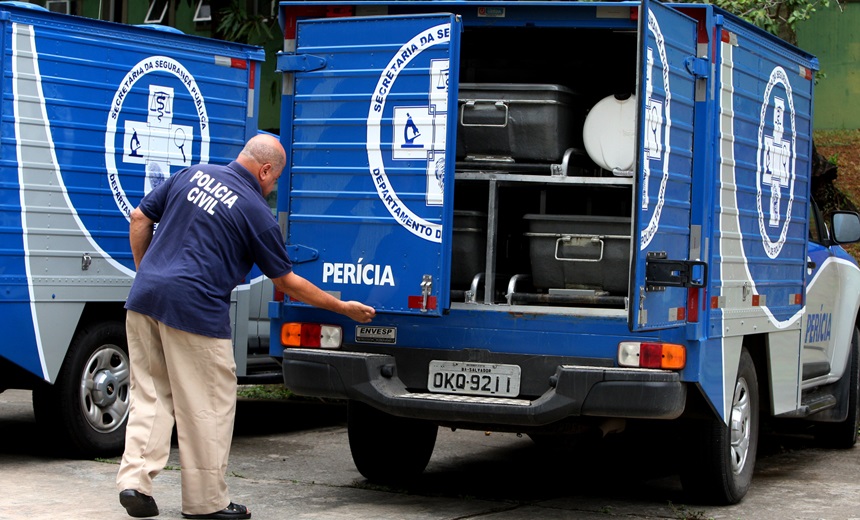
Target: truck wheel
(718,464)
(843,435)
(388,449)
(85,411)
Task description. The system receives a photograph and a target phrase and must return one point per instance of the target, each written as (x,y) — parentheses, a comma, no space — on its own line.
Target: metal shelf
(499,176)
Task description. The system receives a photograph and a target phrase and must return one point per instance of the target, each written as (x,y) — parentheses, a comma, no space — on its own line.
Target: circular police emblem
(775,162)
(157,123)
(658,123)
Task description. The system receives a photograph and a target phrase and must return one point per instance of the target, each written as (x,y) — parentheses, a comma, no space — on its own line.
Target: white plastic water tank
(609,133)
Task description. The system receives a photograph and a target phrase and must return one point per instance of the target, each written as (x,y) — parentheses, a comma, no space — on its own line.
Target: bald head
(265,158)
(264,149)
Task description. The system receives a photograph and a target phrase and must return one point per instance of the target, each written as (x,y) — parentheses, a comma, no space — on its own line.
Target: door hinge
(298,62)
(299,253)
(661,272)
(697,67)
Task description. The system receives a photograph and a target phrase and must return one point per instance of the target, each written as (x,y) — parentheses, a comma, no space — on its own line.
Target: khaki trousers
(191,378)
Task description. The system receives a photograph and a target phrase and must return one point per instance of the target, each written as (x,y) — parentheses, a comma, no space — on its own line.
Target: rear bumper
(576,391)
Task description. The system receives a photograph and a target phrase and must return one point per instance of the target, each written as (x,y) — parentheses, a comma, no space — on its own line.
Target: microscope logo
(419,132)
(156,144)
(776,162)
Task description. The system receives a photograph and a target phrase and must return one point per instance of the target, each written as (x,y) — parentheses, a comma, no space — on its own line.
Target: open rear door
(369,215)
(661,251)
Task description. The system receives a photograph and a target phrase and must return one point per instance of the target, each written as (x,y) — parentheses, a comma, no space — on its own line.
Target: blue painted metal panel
(772,99)
(94,114)
(368,158)
(505,332)
(741,134)
(664,159)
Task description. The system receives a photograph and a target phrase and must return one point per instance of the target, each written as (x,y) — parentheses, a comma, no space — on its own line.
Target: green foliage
(779,17)
(236,24)
(265,392)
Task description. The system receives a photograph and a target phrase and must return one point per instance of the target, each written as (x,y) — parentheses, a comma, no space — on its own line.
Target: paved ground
(292,461)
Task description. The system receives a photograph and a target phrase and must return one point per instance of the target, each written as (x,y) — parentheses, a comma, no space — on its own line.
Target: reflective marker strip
(239,63)
(252,100)
(729,37)
(417,302)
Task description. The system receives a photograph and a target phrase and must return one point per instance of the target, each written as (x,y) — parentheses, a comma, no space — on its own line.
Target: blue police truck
(94,115)
(571,217)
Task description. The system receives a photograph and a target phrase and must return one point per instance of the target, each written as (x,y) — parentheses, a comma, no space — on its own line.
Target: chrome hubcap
(104,396)
(740,426)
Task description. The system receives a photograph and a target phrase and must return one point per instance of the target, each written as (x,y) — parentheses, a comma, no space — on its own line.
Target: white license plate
(459,377)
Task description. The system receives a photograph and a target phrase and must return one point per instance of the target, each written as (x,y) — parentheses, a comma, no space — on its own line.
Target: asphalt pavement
(291,461)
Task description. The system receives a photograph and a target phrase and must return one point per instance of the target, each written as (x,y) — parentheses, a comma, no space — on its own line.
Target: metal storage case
(469,247)
(514,121)
(579,251)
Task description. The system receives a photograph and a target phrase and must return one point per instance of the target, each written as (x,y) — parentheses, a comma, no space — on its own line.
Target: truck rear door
(661,249)
(368,202)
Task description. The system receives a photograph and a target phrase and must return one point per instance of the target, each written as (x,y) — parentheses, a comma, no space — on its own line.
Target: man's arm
(303,290)
(139,234)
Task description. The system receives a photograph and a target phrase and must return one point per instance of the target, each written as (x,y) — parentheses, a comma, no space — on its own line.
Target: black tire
(843,435)
(388,449)
(85,411)
(718,464)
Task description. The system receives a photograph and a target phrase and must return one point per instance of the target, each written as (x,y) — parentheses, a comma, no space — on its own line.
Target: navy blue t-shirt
(213,225)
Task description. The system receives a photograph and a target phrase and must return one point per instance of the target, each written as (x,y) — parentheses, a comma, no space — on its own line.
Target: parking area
(291,460)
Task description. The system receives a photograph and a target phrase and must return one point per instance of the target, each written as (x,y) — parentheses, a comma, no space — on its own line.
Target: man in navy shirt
(213,225)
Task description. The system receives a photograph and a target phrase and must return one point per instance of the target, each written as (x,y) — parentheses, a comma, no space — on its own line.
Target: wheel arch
(95,312)
(88,420)
(757,346)
(57,351)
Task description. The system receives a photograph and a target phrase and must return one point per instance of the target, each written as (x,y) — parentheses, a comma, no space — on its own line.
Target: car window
(814,232)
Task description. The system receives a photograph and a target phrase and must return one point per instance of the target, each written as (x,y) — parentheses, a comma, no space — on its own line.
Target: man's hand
(359,311)
(301,289)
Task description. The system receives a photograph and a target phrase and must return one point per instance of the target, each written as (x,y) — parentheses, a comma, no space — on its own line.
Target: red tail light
(311,335)
(667,356)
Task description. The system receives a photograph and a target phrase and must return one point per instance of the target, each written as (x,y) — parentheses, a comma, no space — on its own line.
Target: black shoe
(231,512)
(137,504)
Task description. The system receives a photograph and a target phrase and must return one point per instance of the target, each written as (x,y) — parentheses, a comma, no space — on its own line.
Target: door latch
(661,272)
(426,289)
